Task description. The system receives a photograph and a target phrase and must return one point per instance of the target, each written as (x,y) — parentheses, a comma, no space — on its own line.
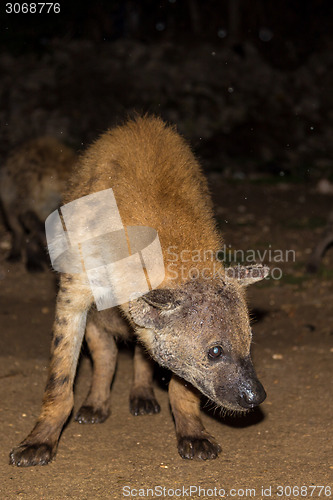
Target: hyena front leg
(142,397)
(74,299)
(103,349)
(193,440)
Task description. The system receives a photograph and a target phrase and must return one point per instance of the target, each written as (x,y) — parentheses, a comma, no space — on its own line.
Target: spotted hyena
(198,328)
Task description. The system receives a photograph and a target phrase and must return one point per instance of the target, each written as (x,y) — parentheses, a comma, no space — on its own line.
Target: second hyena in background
(31,183)
(325,241)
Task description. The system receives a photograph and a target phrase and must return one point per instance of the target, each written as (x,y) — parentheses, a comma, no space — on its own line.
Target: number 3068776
(32,8)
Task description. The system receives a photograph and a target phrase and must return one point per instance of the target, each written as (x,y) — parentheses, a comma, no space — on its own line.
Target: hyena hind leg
(142,397)
(103,350)
(193,440)
(35,244)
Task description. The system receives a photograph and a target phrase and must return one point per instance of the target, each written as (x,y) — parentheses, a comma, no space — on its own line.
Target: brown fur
(32,182)
(157,182)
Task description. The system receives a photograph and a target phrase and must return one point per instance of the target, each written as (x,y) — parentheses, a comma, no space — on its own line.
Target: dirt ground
(287,443)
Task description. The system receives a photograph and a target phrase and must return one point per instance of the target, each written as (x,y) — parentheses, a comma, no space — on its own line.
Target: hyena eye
(215,352)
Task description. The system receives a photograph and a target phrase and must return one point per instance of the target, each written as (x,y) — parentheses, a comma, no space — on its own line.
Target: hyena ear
(153,309)
(246,275)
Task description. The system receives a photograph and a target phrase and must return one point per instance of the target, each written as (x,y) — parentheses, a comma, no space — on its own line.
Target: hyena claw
(28,455)
(142,406)
(200,448)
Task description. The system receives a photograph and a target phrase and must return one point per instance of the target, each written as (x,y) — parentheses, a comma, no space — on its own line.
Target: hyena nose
(252,395)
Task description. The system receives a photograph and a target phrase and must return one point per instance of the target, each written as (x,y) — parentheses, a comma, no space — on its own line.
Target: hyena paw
(200,448)
(91,415)
(144,406)
(27,455)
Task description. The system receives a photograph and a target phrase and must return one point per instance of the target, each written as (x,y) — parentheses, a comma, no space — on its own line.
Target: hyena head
(201,332)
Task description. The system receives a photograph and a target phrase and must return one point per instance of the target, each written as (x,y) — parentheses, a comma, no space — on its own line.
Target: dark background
(295,28)
(249,83)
